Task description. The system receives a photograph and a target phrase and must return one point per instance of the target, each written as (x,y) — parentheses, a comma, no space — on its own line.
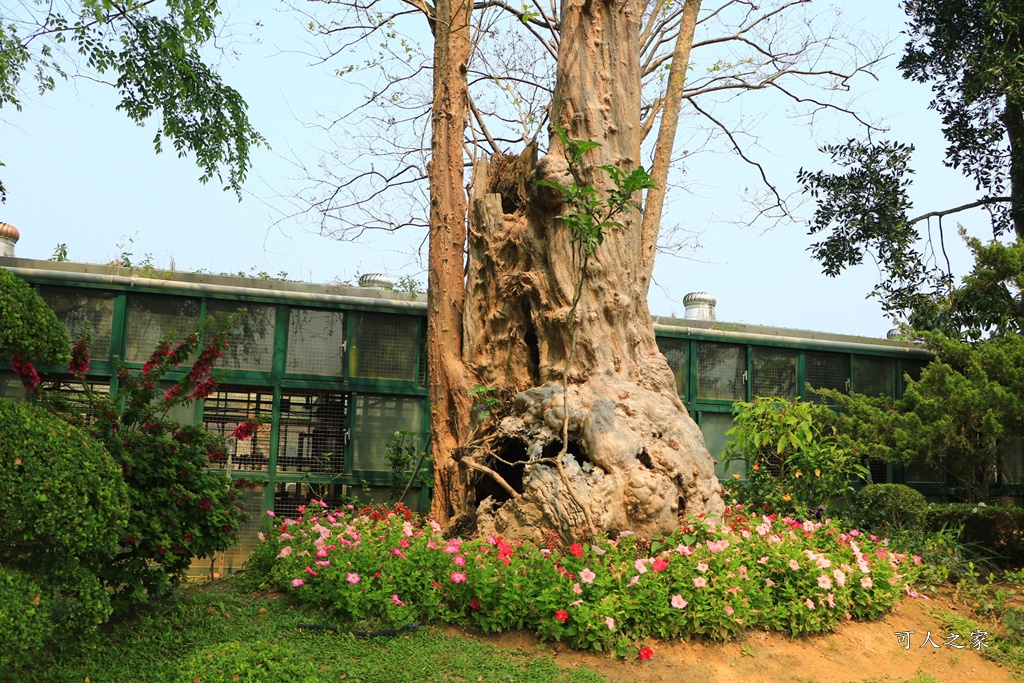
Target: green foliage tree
(971,53)
(794,461)
(157,64)
(955,417)
(29,330)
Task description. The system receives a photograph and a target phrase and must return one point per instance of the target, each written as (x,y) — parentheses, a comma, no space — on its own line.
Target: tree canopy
(156,65)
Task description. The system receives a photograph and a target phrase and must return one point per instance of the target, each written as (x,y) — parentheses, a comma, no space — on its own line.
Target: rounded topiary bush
(888,508)
(28,327)
(248,663)
(59,489)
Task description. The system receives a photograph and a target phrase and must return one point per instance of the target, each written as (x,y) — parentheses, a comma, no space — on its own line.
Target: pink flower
(587,576)
(270,513)
(352,577)
(640,566)
(457,577)
(840,577)
(285,552)
(729,610)
(865,582)
(577,589)
(404,543)
(763,560)
(702,567)
(831,599)
(398,553)
(700,582)
(610,623)
(769,582)
(684,550)
(809,603)
(660,564)
(632,582)
(453,546)
(324,563)
(297,582)
(678,602)
(743,572)
(459,561)
(311,571)
(794,565)
(824,582)
(394,599)
(917,559)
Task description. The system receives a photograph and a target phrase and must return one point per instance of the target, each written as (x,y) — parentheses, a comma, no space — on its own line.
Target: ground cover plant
(216,634)
(392,568)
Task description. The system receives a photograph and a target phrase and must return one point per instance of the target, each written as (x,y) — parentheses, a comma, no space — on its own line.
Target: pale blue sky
(79,173)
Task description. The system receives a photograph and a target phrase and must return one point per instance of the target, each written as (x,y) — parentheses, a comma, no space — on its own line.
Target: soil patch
(855,652)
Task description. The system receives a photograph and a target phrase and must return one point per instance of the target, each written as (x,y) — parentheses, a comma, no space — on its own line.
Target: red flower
(646,653)
(576,550)
(26,371)
(660,564)
(561,615)
(79,364)
(245,429)
(474,604)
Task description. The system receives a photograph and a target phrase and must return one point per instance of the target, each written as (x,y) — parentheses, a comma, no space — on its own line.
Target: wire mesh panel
(879,470)
(924,473)
(721,371)
(873,376)
(313,432)
(316,342)
(421,377)
(290,495)
(73,394)
(11,387)
(83,311)
(384,346)
(714,426)
(377,418)
(232,559)
(252,339)
(773,372)
(152,317)
(826,371)
(674,351)
(224,409)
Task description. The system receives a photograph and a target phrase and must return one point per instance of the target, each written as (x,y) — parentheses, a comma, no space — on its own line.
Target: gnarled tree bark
(635,459)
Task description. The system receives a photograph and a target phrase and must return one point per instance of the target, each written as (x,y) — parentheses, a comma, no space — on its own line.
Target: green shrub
(63,505)
(25,622)
(178,508)
(28,327)
(249,663)
(885,509)
(998,531)
(794,463)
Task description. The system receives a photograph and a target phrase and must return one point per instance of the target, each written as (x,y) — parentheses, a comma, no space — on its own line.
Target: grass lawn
(211,633)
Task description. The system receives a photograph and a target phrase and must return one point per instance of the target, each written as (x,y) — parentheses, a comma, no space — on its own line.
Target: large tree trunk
(635,460)
(449,398)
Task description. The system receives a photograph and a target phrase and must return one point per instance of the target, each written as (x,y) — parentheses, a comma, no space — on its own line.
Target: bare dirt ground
(855,652)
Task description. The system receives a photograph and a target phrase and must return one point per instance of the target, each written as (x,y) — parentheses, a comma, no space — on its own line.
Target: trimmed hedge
(28,327)
(999,530)
(888,508)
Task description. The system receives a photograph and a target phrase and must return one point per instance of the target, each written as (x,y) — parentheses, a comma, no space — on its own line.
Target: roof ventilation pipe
(9,236)
(376,281)
(699,306)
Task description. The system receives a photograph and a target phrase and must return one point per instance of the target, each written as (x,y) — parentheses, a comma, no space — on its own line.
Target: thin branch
(957,209)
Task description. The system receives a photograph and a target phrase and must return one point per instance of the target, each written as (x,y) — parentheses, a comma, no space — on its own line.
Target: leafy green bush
(29,329)
(64,507)
(25,622)
(885,509)
(249,663)
(998,531)
(794,463)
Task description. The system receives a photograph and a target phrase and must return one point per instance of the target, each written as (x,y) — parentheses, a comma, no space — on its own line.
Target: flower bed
(606,594)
